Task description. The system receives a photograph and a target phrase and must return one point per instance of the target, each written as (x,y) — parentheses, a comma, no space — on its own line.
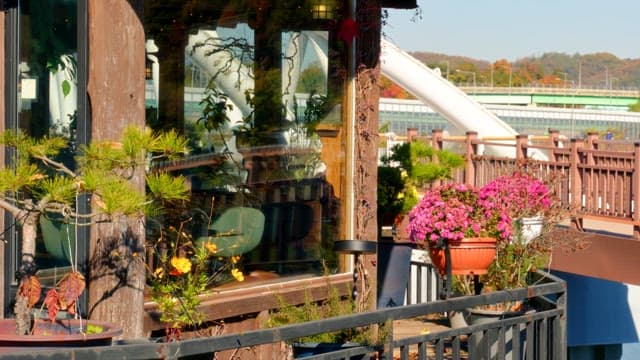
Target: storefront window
(47,104)
(257,90)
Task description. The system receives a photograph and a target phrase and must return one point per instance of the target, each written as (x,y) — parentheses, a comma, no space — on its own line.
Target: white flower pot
(529,227)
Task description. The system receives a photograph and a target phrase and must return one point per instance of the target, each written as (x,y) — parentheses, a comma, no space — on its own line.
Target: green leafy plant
(334,305)
(409,169)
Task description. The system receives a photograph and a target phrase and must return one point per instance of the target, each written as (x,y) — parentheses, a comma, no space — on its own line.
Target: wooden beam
(599,254)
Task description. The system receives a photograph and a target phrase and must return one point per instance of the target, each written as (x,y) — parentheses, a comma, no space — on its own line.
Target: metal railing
(424,283)
(538,334)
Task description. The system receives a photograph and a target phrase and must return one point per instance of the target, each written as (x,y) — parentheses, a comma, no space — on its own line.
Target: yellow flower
(211,247)
(237,274)
(180,265)
(158,273)
(235,259)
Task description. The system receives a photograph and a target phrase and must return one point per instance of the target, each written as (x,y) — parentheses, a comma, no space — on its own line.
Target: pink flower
(520,195)
(454,211)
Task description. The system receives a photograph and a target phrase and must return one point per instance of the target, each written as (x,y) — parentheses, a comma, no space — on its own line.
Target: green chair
(58,236)
(237,231)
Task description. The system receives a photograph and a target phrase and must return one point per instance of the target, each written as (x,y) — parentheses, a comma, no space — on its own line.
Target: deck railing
(598,178)
(538,334)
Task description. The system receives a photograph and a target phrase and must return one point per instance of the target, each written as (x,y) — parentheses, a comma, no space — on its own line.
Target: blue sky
(511,29)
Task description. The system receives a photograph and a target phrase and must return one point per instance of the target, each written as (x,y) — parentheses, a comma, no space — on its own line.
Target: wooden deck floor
(424,325)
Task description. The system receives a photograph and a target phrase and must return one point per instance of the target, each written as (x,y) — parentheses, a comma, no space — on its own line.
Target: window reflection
(254,92)
(47,105)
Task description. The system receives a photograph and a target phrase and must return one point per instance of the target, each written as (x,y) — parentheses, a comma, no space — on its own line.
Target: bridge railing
(596,178)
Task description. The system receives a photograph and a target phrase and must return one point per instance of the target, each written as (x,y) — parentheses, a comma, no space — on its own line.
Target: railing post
(575,190)
(522,140)
(635,190)
(592,140)
(436,139)
(471,148)
(554,140)
(436,144)
(560,328)
(412,134)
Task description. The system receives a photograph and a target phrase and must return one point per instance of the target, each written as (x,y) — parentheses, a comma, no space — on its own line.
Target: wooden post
(2,124)
(436,139)
(635,190)
(522,141)
(412,134)
(471,148)
(116,87)
(592,140)
(367,92)
(575,189)
(554,141)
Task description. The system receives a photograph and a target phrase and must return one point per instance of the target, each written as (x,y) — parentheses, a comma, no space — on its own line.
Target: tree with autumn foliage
(40,184)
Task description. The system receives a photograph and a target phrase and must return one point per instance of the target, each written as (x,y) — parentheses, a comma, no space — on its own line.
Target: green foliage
(61,189)
(104,170)
(23,177)
(588,70)
(419,165)
(215,107)
(312,80)
(635,107)
(310,310)
(167,187)
(390,184)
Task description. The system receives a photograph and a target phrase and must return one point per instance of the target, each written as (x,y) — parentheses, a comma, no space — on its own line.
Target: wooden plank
(603,256)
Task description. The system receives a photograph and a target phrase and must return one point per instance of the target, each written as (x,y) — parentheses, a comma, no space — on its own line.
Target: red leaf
(51,302)
(70,287)
(31,289)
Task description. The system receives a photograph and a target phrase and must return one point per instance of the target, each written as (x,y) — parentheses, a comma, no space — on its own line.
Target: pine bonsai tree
(39,184)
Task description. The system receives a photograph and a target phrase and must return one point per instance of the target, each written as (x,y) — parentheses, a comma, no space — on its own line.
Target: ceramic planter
(61,333)
(529,228)
(469,256)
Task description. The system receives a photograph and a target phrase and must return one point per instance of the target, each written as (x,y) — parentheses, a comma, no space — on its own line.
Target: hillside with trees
(598,70)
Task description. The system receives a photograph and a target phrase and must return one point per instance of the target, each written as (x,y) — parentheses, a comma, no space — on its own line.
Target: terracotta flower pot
(468,256)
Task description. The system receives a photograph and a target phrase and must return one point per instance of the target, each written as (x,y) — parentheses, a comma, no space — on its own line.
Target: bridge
(401,114)
(573,97)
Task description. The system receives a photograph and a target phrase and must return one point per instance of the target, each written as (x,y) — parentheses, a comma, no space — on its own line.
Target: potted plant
(41,184)
(535,210)
(337,303)
(405,173)
(524,198)
(451,215)
(182,272)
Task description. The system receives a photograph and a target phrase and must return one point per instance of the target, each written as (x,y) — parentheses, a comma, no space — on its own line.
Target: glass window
(257,91)
(47,104)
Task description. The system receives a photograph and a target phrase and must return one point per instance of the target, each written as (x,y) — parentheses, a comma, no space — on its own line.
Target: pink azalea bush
(452,212)
(519,194)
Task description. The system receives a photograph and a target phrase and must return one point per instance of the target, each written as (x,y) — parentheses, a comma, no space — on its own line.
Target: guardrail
(538,334)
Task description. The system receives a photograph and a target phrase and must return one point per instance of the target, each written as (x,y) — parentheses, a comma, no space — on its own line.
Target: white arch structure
(460,110)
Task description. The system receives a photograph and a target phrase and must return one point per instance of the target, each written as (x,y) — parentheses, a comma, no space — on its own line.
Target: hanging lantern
(323,9)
